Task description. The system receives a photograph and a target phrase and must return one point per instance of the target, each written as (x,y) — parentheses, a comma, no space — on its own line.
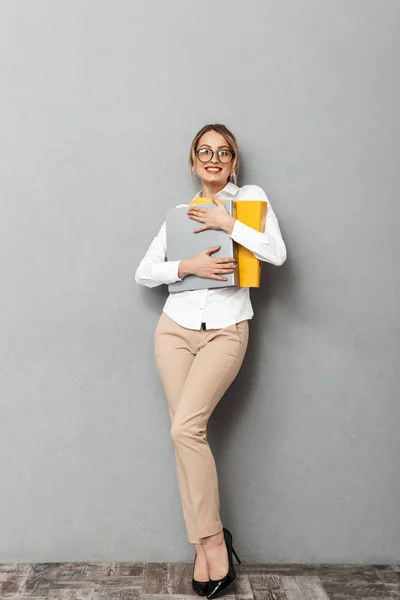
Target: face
(213,172)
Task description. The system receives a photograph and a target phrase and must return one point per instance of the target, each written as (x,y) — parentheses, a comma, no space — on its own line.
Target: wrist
(230,224)
(185,268)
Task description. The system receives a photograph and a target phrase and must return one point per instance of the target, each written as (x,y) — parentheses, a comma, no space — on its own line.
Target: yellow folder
(254,214)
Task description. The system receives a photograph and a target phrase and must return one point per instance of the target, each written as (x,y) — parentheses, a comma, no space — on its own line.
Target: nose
(214,159)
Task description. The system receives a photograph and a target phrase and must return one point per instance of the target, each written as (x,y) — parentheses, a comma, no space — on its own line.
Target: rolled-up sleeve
(266,245)
(153,269)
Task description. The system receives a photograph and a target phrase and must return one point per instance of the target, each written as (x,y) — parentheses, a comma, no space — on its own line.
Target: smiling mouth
(213,169)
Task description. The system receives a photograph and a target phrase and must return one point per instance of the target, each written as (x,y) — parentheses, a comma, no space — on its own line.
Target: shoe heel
(237,558)
(215,587)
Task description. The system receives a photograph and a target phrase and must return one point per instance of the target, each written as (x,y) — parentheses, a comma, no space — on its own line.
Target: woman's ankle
(214,540)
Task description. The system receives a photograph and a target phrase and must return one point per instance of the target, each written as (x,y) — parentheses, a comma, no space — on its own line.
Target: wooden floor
(166,581)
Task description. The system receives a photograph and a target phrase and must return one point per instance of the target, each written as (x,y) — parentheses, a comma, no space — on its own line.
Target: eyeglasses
(206,154)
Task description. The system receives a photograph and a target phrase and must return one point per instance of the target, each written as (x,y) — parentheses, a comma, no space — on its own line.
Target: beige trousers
(196,367)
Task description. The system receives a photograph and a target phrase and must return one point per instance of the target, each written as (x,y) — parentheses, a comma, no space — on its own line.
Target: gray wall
(99,103)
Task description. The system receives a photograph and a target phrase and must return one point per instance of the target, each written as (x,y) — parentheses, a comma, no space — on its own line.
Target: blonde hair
(230,138)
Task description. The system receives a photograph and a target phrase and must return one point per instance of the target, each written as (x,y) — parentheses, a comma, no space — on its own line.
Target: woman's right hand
(203,265)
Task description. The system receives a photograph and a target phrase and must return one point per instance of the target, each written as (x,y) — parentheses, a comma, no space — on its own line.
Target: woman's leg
(173,351)
(222,352)
(219,356)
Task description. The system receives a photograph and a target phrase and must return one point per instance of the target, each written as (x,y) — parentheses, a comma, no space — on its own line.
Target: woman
(200,342)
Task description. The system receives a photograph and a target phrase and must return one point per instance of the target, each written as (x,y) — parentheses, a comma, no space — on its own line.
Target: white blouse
(217,307)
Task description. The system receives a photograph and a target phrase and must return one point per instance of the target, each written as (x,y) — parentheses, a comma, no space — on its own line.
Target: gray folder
(182,244)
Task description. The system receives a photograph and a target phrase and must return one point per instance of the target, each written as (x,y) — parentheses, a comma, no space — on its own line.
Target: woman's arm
(266,245)
(153,269)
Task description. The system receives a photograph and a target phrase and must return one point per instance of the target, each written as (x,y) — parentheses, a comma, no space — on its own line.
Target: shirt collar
(230,188)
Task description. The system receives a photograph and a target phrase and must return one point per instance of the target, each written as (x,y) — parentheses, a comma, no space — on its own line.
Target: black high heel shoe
(215,586)
(200,587)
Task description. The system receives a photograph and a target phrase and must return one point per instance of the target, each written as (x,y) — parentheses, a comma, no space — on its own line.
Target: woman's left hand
(213,218)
